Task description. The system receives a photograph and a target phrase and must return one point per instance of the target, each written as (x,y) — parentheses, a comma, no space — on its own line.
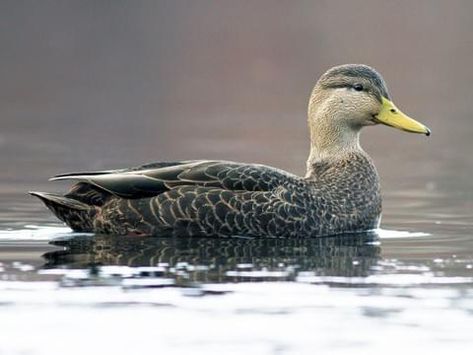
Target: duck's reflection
(218,260)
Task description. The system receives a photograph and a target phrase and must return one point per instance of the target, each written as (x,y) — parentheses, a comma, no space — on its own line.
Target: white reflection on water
(262,318)
(32,232)
(393,280)
(346,298)
(36,232)
(391,234)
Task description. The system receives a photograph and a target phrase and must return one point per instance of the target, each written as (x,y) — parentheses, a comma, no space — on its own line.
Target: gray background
(101,84)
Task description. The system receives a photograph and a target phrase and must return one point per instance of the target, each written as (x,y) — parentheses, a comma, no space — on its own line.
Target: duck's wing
(152,179)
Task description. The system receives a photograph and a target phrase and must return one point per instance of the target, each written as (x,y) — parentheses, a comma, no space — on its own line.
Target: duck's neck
(330,138)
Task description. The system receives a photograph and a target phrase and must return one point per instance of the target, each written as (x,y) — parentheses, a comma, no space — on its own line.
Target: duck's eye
(358,87)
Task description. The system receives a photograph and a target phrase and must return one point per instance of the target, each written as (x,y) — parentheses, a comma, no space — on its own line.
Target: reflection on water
(223,260)
(337,293)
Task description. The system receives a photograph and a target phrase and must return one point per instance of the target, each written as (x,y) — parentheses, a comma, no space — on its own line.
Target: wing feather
(155,178)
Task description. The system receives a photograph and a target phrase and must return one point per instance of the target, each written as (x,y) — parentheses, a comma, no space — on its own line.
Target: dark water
(99,85)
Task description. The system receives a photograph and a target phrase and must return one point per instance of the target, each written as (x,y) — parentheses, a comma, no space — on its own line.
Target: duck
(339,194)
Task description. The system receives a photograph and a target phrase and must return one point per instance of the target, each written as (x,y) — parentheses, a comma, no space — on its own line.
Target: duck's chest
(346,195)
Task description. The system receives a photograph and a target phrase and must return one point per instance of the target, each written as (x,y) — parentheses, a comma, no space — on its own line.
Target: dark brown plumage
(340,193)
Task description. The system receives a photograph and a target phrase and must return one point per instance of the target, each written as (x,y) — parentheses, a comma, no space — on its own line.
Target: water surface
(361,293)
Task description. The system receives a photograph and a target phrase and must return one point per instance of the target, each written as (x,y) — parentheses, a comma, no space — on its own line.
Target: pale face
(356,105)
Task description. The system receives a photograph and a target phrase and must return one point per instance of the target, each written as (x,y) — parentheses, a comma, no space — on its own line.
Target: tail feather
(76,214)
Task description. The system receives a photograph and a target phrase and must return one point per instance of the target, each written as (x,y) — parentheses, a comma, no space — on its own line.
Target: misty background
(109,84)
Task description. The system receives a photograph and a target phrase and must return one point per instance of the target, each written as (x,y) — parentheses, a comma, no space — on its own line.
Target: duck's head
(347,98)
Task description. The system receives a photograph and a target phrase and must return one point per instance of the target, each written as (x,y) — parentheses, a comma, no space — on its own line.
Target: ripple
(35,232)
(392,280)
(395,234)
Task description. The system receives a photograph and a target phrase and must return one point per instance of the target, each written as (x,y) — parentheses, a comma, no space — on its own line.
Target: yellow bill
(390,115)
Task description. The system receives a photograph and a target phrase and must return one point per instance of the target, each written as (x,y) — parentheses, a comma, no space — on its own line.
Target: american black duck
(339,194)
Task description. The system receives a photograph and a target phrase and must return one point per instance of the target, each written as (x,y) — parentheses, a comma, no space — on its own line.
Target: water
(409,288)
(100,85)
